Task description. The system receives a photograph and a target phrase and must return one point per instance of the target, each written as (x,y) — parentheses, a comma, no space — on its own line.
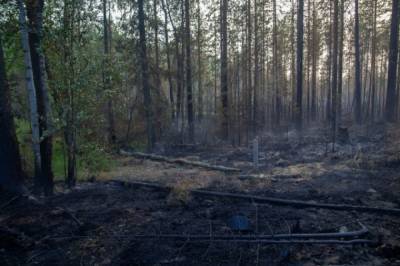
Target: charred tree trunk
(199,65)
(299,92)
(315,51)
(145,78)
(224,68)
(340,66)
(189,95)
(392,67)
(335,67)
(357,91)
(11,174)
(167,48)
(69,76)
(106,75)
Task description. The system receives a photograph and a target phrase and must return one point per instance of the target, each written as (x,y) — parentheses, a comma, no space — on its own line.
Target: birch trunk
(30,87)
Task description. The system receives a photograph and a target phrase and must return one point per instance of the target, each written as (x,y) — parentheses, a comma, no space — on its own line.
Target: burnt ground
(97,223)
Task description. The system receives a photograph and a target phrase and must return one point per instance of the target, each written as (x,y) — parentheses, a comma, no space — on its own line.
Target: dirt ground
(98,222)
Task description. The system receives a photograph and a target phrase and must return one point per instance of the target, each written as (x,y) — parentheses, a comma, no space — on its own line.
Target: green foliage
(94,159)
(23,131)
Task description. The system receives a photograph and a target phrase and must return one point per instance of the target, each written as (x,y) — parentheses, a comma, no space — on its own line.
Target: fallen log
(276,201)
(181,161)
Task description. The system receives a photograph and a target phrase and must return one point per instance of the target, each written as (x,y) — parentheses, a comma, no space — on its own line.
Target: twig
(71,215)
(9,202)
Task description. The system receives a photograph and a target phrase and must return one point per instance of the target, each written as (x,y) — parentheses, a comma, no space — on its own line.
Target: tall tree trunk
(315,51)
(335,66)
(199,65)
(256,69)
(340,66)
(167,48)
(293,61)
(69,79)
(35,16)
(189,95)
(11,174)
(299,94)
(30,86)
(309,53)
(145,78)
(329,65)
(373,65)
(106,74)
(393,56)
(357,91)
(276,92)
(224,68)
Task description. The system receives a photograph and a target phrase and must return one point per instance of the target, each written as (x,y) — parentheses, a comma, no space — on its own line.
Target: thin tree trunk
(357,91)
(340,66)
(299,96)
(199,65)
(315,52)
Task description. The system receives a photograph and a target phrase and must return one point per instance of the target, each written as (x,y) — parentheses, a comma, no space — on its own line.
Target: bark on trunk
(11,174)
(392,67)
(35,16)
(224,68)
(189,95)
(299,96)
(357,91)
(145,78)
(30,86)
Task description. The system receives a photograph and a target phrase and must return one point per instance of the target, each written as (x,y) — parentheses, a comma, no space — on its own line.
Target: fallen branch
(277,201)
(287,242)
(160,158)
(327,236)
(280,242)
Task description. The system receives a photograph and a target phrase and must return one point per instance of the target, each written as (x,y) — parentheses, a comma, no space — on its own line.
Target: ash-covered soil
(98,223)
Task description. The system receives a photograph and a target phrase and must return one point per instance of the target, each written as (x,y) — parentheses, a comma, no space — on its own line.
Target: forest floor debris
(110,215)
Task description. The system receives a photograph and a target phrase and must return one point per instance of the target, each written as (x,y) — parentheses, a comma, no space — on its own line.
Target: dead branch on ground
(272,200)
(181,161)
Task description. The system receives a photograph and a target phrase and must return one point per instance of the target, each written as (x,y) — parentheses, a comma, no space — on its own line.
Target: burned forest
(199,132)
